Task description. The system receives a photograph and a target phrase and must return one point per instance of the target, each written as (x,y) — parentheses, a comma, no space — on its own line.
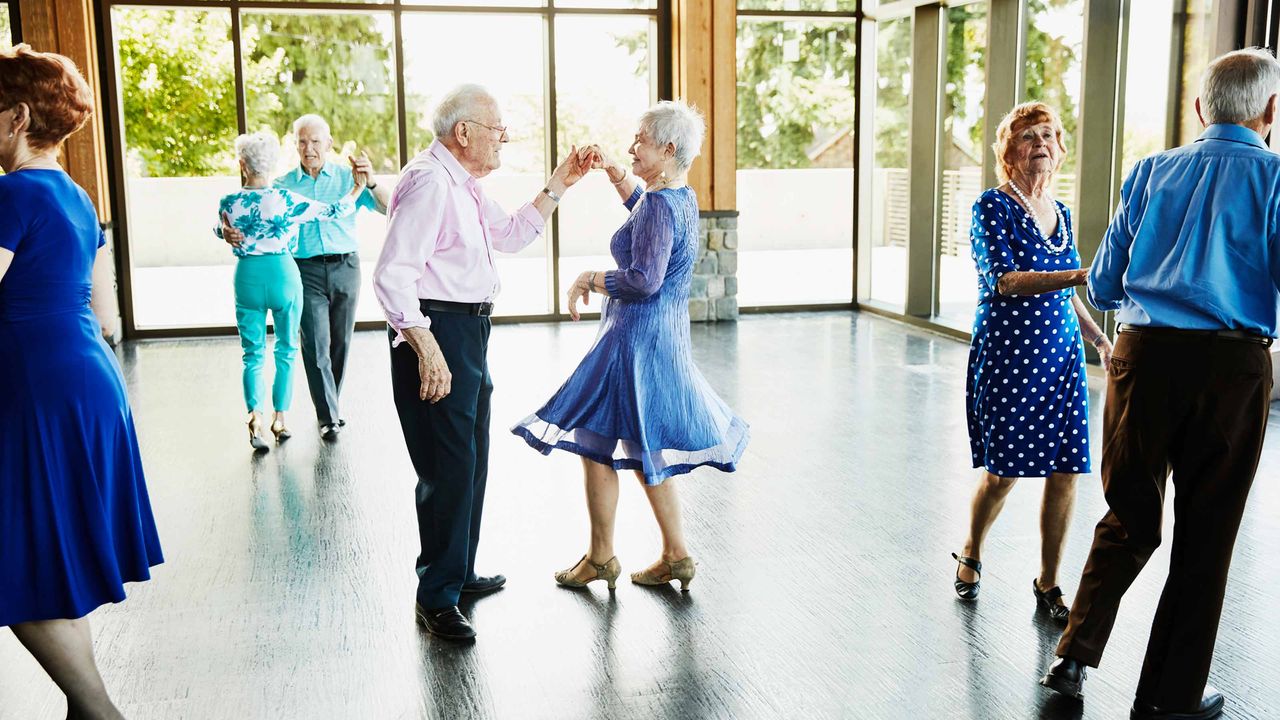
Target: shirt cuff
(532,216)
(400,323)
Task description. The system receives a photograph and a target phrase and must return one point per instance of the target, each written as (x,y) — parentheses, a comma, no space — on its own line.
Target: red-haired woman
(1027,395)
(75,521)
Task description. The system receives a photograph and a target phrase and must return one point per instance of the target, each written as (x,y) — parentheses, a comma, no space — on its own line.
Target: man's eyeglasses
(502,129)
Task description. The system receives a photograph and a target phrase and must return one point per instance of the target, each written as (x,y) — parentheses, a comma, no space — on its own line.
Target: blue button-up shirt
(1195,242)
(329,186)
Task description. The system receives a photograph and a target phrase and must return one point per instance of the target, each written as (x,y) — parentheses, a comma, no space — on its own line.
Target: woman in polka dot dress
(1027,397)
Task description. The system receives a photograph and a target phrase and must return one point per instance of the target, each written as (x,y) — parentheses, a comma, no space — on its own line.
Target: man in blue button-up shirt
(1191,262)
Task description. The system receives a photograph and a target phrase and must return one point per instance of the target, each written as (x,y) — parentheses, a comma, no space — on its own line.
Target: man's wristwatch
(551,194)
(372,185)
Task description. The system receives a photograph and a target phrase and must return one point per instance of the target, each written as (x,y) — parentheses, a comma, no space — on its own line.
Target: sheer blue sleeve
(630,202)
(989,235)
(652,235)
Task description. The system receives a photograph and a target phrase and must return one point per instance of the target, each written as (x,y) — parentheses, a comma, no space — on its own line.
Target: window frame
(660,14)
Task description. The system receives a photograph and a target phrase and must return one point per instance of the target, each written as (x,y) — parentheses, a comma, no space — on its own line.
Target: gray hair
(259,151)
(677,123)
(1236,86)
(462,103)
(311,121)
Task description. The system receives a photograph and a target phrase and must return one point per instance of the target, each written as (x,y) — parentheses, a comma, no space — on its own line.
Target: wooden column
(704,61)
(67,27)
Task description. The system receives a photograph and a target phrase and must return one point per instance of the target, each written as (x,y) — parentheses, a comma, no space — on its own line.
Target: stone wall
(714,293)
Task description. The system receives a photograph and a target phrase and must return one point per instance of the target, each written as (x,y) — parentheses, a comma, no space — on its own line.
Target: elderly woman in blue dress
(1027,393)
(636,401)
(267,278)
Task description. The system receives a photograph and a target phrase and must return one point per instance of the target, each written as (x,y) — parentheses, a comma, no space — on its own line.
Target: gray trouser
(330,289)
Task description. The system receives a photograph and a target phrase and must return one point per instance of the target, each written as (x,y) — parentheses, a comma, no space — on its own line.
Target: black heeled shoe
(968,590)
(1047,601)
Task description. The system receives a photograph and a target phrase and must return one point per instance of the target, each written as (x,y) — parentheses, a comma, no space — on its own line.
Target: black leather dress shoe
(446,622)
(1210,707)
(482,584)
(1066,675)
(330,432)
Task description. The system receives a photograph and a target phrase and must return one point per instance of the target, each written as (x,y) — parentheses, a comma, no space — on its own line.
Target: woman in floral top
(266,276)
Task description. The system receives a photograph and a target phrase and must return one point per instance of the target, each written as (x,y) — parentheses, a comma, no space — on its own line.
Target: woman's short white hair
(677,123)
(1237,85)
(259,151)
(311,121)
(462,103)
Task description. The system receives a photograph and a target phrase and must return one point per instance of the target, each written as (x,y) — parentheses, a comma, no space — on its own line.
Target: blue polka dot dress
(1027,395)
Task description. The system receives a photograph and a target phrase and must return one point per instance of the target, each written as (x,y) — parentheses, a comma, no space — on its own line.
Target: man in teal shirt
(328,259)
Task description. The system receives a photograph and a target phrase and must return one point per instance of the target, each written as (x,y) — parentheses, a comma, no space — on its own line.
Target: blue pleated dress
(637,401)
(75,519)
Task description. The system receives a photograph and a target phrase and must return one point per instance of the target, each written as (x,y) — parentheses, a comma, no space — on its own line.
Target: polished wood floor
(824,586)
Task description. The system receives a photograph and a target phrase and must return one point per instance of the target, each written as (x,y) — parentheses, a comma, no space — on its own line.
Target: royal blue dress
(637,401)
(75,520)
(1027,395)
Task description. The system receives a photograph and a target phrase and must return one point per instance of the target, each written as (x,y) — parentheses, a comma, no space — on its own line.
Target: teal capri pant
(262,283)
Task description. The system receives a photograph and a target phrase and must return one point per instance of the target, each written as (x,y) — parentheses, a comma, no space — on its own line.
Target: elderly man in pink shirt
(436,281)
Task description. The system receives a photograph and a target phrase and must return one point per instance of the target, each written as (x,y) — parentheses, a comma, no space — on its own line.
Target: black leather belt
(1178,332)
(482,309)
(339,257)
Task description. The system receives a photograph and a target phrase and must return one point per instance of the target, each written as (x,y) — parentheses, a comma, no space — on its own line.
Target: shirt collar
(300,173)
(1232,133)
(457,173)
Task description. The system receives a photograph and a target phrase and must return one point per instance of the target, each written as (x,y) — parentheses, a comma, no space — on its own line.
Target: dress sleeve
(300,209)
(652,235)
(14,226)
(630,202)
(989,235)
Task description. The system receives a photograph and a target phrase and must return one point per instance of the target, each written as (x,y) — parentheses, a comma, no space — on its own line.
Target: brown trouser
(1196,404)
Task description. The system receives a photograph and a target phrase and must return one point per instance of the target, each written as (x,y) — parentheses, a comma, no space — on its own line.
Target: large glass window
(176,75)
(438,40)
(1055,45)
(1146,87)
(177,80)
(796,107)
(6,28)
(340,66)
(962,159)
(889,186)
(602,87)
(1197,44)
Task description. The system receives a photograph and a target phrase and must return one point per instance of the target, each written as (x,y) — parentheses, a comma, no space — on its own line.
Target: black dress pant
(1196,405)
(448,444)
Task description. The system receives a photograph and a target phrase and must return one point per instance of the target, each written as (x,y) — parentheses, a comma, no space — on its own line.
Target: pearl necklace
(1062,222)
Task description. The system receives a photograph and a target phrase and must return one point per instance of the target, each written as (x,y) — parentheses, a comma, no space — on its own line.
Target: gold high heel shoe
(255,433)
(682,570)
(608,572)
(280,431)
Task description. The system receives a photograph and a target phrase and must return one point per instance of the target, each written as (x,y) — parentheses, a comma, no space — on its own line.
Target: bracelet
(371,186)
(620,180)
(1098,339)
(547,191)
(591,284)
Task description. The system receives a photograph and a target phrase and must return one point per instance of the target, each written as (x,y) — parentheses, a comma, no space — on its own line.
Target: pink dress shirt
(441,234)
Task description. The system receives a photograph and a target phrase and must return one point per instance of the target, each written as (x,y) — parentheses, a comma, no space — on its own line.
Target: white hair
(259,151)
(1236,86)
(462,103)
(677,123)
(311,121)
